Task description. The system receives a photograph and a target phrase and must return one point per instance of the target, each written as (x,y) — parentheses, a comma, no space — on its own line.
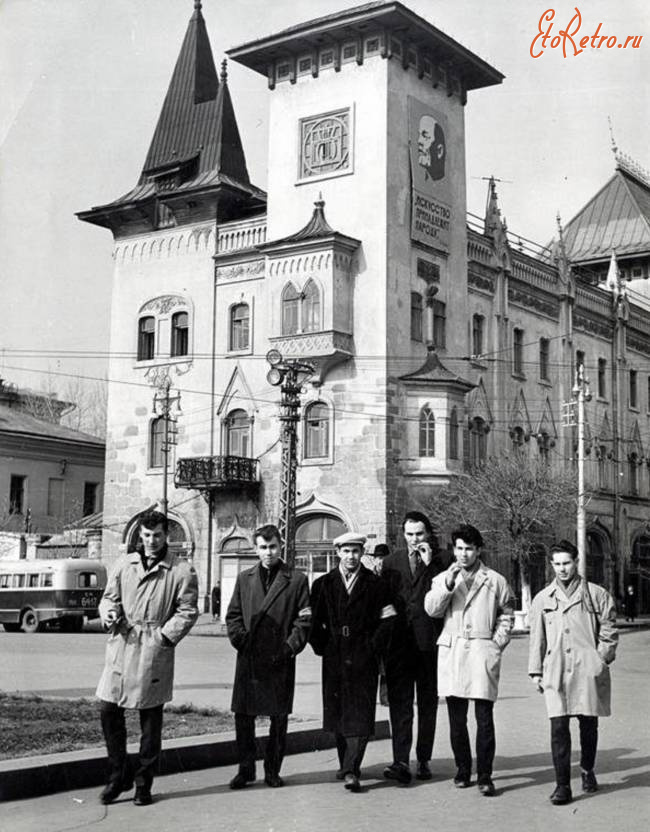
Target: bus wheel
(12,628)
(29,622)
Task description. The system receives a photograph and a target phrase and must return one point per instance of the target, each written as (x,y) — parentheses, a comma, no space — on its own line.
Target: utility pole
(582,394)
(163,405)
(286,374)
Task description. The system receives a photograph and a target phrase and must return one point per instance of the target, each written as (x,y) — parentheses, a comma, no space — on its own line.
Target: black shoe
(241,780)
(142,796)
(589,782)
(351,782)
(113,790)
(398,771)
(462,780)
(561,796)
(423,771)
(273,780)
(486,787)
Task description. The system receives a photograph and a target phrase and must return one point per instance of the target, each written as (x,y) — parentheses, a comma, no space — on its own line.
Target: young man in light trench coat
(149,605)
(477,605)
(573,639)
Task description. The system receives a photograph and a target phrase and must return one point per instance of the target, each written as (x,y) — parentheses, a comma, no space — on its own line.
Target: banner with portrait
(430,185)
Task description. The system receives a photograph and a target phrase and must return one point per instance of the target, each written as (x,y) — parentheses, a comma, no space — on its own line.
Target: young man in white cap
(352,620)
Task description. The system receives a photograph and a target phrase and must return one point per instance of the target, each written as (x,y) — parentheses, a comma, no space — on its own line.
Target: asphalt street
(313,800)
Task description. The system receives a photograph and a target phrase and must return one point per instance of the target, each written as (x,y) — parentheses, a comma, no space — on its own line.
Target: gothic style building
(362,258)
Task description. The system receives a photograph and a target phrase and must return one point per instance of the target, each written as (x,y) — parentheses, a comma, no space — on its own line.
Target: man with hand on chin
(352,619)
(477,605)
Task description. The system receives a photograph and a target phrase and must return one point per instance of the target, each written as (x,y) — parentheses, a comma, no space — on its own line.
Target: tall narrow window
(634,402)
(239,327)
(518,351)
(317,423)
(478,431)
(17,494)
(55,497)
(427,432)
(478,322)
(602,378)
(146,338)
(544,445)
(180,334)
(91,492)
(156,443)
(238,433)
(633,474)
(603,468)
(580,360)
(416,316)
(453,434)
(290,310)
(439,325)
(544,345)
(311,308)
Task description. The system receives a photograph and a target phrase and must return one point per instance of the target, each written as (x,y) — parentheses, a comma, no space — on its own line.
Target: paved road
(313,802)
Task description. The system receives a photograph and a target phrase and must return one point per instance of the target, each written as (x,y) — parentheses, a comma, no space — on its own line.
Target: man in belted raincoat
(573,641)
(149,605)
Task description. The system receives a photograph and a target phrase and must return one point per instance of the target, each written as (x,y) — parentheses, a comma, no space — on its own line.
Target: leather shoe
(589,782)
(113,790)
(398,771)
(423,771)
(241,780)
(462,780)
(273,780)
(351,782)
(486,788)
(142,796)
(561,796)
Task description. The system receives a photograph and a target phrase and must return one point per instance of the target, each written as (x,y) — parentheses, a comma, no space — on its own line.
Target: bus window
(86,579)
(46,579)
(17,580)
(4,581)
(33,579)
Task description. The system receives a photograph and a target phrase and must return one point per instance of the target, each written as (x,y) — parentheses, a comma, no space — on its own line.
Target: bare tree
(90,398)
(519,505)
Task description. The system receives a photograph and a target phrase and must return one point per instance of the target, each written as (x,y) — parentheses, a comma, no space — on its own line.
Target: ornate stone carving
(325,144)
(480,282)
(240,270)
(639,342)
(588,324)
(529,300)
(164,304)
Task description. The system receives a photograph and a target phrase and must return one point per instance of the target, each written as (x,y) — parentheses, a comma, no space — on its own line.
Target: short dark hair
(151,518)
(267,532)
(564,546)
(470,534)
(418,517)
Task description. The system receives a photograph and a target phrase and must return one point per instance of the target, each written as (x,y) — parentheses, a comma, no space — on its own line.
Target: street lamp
(286,374)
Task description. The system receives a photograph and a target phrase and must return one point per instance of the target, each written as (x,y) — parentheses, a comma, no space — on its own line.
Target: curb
(38,776)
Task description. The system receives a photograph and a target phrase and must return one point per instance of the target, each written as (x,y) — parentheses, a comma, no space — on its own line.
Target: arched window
(156,443)
(146,338)
(311,308)
(240,327)
(290,309)
(315,553)
(180,334)
(317,429)
(453,434)
(427,432)
(477,446)
(238,433)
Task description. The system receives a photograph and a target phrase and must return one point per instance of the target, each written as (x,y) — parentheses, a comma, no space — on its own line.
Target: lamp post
(286,374)
(163,404)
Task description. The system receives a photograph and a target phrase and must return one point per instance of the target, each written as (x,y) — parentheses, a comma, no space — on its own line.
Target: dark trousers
(351,751)
(409,674)
(275,745)
(561,745)
(459,737)
(114,728)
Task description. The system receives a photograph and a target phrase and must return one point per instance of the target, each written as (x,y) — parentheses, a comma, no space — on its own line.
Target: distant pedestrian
(411,661)
(215,600)
(375,561)
(477,605)
(268,623)
(149,605)
(352,618)
(573,639)
(630,603)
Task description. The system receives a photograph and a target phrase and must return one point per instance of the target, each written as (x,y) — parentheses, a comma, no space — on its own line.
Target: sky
(82,83)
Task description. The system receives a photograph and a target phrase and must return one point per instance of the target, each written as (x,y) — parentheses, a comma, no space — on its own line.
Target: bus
(37,593)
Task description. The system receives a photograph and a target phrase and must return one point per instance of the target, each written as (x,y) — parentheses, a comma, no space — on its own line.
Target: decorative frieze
(638,341)
(241,271)
(480,281)
(530,300)
(588,324)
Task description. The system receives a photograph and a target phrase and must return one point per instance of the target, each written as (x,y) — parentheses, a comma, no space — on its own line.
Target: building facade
(359,257)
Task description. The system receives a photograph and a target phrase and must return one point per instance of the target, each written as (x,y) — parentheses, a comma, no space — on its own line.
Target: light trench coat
(476,629)
(139,665)
(564,650)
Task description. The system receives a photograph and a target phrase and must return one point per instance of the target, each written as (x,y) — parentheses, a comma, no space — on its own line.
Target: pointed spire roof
(434,373)
(317,229)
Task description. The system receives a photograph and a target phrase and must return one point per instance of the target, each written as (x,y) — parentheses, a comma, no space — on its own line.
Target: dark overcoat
(413,627)
(348,631)
(261,628)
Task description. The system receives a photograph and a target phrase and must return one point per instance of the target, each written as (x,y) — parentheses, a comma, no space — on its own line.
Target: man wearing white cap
(351,625)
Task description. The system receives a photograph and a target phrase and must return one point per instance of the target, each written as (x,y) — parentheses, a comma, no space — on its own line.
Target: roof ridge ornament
(223,77)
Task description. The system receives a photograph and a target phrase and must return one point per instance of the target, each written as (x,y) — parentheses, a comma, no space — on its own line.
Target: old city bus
(34,593)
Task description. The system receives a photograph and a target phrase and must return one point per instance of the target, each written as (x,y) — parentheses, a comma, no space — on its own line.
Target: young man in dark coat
(268,623)
(352,619)
(411,662)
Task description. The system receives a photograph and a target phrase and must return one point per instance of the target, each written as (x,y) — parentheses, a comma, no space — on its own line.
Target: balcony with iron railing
(217,473)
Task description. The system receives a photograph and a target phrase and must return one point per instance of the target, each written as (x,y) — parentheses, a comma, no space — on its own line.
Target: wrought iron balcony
(217,473)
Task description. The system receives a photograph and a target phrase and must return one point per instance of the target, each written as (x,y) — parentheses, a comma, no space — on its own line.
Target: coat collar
(551,596)
(166,562)
(482,575)
(280,583)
